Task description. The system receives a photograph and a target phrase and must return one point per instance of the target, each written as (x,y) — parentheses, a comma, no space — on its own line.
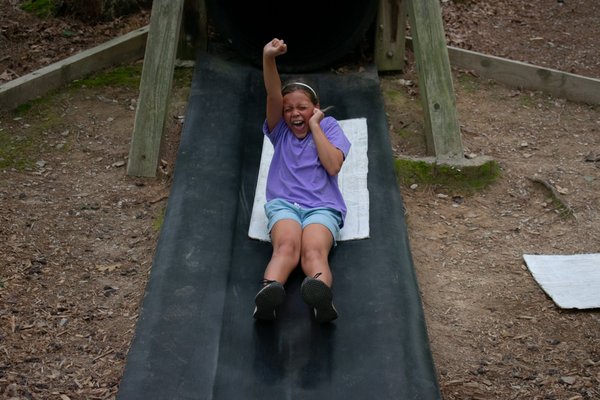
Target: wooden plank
(194,30)
(155,87)
(126,48)
(435,80)
(390,48)
(527,76)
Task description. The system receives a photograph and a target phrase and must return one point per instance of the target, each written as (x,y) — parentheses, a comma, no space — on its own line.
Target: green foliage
(463,179)
(183,77)
(14,151)
(23,108)
(159,220)
(468,82)
(403,133)
(67,33)
(19,150)
(401,100)
(40,8)
(125,76)
(129,76)
(393,96)
(527,101)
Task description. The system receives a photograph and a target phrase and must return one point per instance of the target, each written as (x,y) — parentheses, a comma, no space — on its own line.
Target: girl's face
(297,111)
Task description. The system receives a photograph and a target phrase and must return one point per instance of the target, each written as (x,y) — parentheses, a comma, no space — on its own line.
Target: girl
(304,205)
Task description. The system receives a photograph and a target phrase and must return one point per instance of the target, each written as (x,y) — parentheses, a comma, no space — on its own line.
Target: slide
(196,337)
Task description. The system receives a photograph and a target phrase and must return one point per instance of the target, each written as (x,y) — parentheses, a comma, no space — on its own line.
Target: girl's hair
(303,87)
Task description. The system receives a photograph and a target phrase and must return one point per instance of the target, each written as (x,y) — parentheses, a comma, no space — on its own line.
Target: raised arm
(272,80)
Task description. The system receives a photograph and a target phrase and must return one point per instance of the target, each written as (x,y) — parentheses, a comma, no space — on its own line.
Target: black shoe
(268,299)
(319,296)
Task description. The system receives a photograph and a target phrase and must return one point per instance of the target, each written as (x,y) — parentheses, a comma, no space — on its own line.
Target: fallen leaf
(562,190)
(5,76)
(108,267)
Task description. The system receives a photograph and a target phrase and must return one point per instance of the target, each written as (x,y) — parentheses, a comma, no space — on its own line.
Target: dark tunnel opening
(318,32)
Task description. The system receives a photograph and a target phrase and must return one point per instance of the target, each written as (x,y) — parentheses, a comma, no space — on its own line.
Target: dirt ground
(77,235)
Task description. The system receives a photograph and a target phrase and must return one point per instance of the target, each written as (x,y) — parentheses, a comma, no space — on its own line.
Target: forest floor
(77,235)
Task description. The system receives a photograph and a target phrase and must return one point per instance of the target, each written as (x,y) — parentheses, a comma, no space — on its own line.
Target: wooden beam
(124,49)
(390,48)
(194,30)
(527,76)
(435,80)
(155,87)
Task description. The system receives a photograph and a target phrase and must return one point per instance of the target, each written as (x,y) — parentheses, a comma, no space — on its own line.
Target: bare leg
(285,236)
(316,244)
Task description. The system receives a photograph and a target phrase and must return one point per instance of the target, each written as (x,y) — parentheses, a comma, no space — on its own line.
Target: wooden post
(390,37)
(435,80)
(194,30)
(155,87)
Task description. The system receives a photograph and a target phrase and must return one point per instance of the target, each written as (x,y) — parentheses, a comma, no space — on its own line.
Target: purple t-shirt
(296,173)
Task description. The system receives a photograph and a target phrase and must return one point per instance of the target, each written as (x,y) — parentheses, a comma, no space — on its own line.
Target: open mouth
(298,124)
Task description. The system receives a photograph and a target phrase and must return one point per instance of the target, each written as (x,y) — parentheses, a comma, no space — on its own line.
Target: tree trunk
(94,10)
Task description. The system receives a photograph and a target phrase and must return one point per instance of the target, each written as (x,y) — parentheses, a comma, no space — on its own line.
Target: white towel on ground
(571,281)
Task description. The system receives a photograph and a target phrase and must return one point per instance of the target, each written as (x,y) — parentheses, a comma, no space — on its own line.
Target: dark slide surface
(196,338)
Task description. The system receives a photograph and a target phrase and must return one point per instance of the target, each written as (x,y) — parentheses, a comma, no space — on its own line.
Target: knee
(288,249)
(313,255)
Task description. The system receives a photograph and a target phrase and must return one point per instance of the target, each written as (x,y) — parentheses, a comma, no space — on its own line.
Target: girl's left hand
(317,116)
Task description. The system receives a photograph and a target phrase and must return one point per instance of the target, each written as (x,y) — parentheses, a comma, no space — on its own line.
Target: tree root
(561,204)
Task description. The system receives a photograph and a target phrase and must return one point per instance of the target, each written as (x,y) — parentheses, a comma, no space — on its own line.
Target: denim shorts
(278,209)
